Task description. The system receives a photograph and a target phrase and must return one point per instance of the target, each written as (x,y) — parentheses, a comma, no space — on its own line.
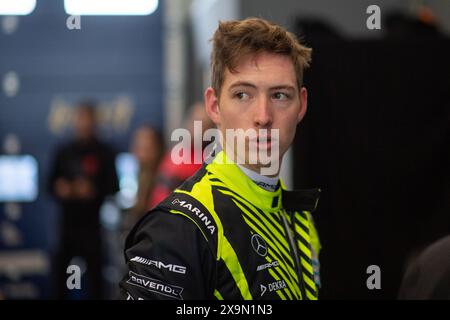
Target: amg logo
(268,265)
(155,286)
(158,264)
(197,212)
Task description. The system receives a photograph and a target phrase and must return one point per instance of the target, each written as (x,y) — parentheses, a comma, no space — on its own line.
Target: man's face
(262,94)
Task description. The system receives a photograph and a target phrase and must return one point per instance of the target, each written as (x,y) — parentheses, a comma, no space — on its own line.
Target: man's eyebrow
(251,85)
(283,86)
(242,84)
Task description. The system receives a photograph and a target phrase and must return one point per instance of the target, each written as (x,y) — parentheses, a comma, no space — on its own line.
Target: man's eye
(280,96)
(242,96)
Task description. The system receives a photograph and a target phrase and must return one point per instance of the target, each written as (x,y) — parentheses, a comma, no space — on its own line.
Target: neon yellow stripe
(303,221)
(293,286)
(309,282)
(303,214)
(288,217)
(231,261)
(308,214)
(287,272)
(305,250)
(218,295)
(185,215)
(274,248)
(279,213)
(273,232)
(284,273)
(202,193)
(274,238)
(283,264)
(269,216)
(310,296)
(302,233)
(307,266)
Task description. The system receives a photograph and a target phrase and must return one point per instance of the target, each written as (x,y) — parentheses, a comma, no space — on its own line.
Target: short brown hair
(235,39)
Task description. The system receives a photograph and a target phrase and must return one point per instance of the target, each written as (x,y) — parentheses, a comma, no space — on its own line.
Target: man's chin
(270,170)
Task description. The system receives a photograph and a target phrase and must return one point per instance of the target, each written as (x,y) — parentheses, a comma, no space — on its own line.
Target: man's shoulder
(196,178)
(190,206)
(162,228)
(179,213)
(159,219)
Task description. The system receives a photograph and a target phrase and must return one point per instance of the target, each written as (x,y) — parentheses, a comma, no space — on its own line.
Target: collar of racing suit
(230,173)
(267,183)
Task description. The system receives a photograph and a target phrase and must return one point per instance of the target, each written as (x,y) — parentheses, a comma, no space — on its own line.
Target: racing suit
(220,236)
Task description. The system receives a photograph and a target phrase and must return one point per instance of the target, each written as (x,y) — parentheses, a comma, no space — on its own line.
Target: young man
(231,231)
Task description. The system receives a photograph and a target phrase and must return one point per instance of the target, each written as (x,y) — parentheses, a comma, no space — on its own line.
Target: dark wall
(376,139)
(115,60)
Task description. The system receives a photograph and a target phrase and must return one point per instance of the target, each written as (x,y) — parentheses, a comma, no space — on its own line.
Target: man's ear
(303,104)
(212,105)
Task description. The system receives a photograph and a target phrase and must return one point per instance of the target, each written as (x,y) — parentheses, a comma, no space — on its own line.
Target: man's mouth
(264,142)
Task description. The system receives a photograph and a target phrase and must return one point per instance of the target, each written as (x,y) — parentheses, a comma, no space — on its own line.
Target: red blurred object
(170,176)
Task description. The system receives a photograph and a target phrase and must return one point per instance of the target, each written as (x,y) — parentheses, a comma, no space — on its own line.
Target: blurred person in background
(171,175)
(82,175)
(147,146)
(427,275)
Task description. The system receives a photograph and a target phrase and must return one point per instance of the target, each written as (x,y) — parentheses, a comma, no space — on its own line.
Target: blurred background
(90,92)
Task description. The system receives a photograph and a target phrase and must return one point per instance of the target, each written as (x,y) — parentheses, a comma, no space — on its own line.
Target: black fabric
(301,200)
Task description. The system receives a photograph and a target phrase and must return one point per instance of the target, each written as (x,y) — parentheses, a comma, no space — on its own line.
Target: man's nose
(263,113)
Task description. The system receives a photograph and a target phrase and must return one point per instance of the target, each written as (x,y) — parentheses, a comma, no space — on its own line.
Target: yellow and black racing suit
(221,236)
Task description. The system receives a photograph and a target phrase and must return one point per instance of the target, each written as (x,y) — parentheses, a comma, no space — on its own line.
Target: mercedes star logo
(259,245)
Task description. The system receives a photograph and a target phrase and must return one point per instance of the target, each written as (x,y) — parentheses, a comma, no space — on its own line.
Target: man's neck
(265,182)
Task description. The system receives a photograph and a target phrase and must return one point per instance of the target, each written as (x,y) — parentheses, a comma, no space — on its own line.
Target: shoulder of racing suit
(176,241)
